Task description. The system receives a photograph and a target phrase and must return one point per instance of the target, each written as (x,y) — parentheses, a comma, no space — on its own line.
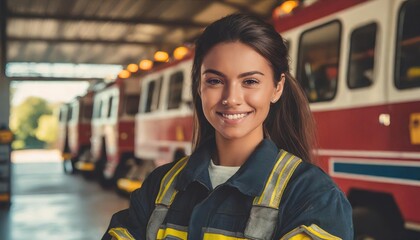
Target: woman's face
(236,90)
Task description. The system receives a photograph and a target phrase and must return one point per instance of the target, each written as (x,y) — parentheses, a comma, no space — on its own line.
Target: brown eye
(213,81)
(250,82)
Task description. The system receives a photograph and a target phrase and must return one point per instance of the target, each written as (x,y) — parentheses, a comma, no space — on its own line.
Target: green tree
(24,122)
(47,128)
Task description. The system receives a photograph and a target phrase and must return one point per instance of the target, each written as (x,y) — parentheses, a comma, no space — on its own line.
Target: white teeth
(234,116)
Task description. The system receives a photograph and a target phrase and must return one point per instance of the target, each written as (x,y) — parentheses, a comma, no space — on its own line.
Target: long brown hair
(289,123)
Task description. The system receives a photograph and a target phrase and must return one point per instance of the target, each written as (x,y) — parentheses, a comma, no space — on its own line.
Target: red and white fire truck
(359,64)
(358,61)
(163,128)
(112,140)
(78,127)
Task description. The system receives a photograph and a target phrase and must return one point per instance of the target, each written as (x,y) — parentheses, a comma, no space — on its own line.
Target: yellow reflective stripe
(216,236)
(279,189)
(278,181)
(300,236)
(120,233)
(163,233)
(321,233)
(165,184)
(258,200)
(304,232)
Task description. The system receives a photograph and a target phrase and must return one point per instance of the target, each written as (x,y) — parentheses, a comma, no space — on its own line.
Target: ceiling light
(180,52)
(146,64)
(161,56)
(285,8)
(132,67)
(124,74)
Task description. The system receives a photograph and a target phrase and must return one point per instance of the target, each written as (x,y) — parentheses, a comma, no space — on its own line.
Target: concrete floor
(48,204)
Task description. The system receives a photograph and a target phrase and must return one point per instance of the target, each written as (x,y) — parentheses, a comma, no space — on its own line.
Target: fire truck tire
(371,225)
(73,166)
(123,168)
(104,182)
(67,167)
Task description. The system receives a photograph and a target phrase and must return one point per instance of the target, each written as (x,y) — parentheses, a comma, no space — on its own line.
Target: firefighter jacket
(274,195)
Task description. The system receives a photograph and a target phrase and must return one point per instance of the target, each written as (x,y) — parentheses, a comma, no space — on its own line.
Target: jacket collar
(250,178)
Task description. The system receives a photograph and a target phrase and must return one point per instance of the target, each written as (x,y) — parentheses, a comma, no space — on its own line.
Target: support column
(4,82)
(6,135)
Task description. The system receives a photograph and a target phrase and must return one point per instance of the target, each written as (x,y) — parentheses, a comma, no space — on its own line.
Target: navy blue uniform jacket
(309,198)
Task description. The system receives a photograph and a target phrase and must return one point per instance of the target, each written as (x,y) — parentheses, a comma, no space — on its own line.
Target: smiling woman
(236,90)
(250,174)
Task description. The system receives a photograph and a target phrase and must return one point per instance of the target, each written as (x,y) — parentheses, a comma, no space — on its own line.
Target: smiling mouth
(235,116)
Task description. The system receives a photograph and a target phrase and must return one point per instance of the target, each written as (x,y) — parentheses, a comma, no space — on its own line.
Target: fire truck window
(153,95)
(69,114)
(407,64)
(175,90)
(74,108)
(317,69)
(112,107)
(131,104)
(156,96)
(287,44)
(109,108)
(97,109)
(62,116)
(362,56)
(87,111)
(150,90)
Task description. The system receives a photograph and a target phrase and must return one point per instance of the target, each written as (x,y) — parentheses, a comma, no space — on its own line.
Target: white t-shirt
(220,174)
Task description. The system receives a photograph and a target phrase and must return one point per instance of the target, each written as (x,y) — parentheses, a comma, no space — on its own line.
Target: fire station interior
(39,200)
(87,86)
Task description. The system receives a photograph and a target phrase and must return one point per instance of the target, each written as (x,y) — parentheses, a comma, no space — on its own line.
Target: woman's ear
(279,89)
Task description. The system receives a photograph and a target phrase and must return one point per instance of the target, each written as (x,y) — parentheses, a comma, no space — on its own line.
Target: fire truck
(112,138)
(78,127)
(358,62)
(163,127)
(62,137)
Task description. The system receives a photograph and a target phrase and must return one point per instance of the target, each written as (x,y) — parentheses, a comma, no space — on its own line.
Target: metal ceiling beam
(136,20)
(52,79)
(241,8)
(82,41)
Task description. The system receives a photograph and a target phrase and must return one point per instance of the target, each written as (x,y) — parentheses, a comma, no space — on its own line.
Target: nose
(233,94)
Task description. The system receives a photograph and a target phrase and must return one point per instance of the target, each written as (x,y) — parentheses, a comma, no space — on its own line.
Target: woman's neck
(234,152)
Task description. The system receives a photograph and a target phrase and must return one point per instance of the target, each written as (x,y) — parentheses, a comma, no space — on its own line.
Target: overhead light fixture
(161,56)
(146,64)
(124,74)
(180,52)
(285,8)
(132,67)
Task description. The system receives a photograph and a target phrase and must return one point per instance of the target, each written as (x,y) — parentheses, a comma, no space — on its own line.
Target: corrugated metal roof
(111,31)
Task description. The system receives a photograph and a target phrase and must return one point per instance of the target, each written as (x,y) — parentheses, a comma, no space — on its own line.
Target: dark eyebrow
(214,72)
(245,74)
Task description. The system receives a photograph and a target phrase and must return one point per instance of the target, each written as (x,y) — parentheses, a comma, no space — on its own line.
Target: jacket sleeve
(132,222)
(314,207)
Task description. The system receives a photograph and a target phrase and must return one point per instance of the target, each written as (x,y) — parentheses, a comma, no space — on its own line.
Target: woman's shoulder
(312,197)
(312,175)
(310,182)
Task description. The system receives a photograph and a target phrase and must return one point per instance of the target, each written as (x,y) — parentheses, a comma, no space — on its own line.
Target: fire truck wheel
(67,167)
(99,174)
(371,225)
(123,168)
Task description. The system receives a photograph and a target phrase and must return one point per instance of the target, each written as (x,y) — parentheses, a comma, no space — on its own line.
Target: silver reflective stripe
(263,217)
(164,199)
(155,220)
